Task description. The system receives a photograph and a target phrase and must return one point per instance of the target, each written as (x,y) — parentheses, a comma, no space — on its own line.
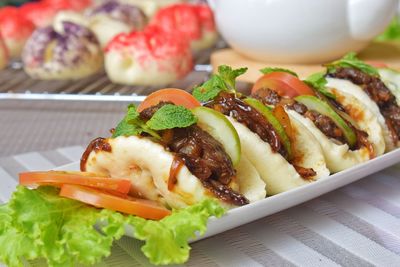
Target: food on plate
(15,29)
(348,133)
(373,88)
(150,57)
(3,54)
(111,18)
(65,51)
(172,162)
(150,7)
(186,156)
(281,149)
(195,22)
(39,224)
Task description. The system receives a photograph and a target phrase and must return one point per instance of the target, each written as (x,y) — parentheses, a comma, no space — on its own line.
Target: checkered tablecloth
(357,225)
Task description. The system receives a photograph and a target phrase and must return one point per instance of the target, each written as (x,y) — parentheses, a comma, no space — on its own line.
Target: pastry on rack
(15,29)
(150,7)
(196,22)
(111,18)
(42,13)
(150,57)
(65,51)
(3,54)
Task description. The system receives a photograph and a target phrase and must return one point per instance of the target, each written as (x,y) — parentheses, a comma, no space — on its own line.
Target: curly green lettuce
(40,224)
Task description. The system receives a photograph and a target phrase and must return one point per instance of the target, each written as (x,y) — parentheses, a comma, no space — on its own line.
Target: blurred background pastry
(65,51)
(111,18)
(3,54)
(150,57)
(15,29)
(195,22)
(150,7)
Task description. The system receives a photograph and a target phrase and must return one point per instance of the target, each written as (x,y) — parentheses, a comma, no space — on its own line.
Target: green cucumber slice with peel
(316,104)
(219,127)
(269,116)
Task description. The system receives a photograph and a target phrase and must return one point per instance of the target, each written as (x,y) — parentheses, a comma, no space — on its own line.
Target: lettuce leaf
(40,224)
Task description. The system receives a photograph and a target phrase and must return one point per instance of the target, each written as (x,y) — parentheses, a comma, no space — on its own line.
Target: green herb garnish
(351,61)
(271,69)
(171,116)
(224,80)
(132,124)
(318,82)
(167,117)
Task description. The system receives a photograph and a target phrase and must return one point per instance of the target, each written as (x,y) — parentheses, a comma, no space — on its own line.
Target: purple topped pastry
(70,51)
(112,18)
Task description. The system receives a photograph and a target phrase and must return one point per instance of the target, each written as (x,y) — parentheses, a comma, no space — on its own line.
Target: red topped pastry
(40,13)
(76,5)
(3,53)
(15,28)
(196,22)
(150,57)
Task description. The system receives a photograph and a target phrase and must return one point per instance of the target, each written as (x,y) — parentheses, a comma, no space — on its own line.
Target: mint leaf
(351,61)
(224,80)
(229,75)
(318,82)
(171,116)
(39,224)
(271,69)
(210,89)
(132,124)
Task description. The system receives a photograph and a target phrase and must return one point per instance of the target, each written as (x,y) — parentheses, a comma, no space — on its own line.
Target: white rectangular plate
(245,214)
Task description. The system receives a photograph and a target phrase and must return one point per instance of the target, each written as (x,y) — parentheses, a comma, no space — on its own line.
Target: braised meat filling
(378,92)
(325,124)
(203,156)
(229,105)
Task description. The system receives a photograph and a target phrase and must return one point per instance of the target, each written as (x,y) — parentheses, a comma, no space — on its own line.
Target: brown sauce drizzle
(176,165)
(98,144)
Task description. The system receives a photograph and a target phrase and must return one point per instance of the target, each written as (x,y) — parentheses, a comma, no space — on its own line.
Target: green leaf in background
(318,82)
(171,116)
(40,224)
(392,32)
(271,69)
(350,60)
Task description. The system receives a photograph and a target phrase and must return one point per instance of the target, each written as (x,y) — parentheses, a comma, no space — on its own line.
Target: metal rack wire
(16,84)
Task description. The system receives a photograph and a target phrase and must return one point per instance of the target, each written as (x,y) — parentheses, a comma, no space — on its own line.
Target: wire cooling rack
(16,84)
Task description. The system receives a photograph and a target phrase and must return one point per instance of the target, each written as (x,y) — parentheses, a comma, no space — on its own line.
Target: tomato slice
(58,178)
(283,83)
(140,207)
(177,96)
(377,64)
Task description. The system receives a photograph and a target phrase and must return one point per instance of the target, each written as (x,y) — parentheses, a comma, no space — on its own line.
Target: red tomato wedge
(177,96)
(143,208)
(58,178)
(283,83)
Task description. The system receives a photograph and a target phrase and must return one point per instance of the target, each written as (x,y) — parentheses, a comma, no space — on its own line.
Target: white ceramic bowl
(301,31)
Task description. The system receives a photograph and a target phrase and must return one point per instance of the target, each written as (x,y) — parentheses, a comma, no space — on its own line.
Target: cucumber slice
(221,129)
(314,103)
(267,113)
